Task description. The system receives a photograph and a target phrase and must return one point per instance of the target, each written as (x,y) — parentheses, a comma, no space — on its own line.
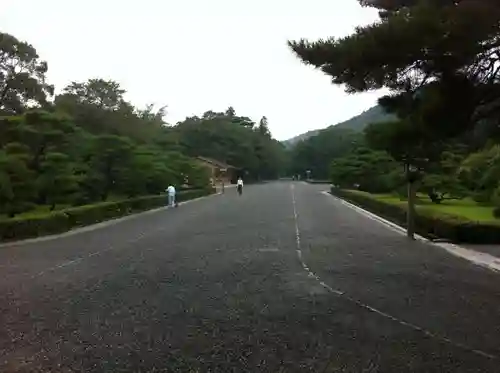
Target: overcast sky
(197,55)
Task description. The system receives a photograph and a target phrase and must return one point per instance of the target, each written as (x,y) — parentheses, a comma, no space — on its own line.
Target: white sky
(197,55)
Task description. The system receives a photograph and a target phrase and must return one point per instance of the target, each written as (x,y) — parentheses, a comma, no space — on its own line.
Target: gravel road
(281,279)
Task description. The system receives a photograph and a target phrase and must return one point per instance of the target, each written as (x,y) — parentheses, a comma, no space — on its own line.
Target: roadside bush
(64,220)
(496,212)
(428,224)
(482,197)
(318,181)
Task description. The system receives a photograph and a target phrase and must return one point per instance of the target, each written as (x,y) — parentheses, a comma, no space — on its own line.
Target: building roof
(216,163)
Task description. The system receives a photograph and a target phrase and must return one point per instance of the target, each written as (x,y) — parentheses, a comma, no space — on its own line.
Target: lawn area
(465,208)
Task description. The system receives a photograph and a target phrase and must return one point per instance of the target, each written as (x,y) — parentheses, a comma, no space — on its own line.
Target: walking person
(171,196)
(239,185)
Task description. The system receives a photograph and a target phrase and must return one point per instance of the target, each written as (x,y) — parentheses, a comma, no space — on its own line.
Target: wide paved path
(282,279)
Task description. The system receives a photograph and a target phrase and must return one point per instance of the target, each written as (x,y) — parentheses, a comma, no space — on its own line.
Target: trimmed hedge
(427,224)
(65,220)
(496,212)
(318,181)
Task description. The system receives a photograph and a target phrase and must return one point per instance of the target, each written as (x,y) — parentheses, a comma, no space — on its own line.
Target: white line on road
(368,307)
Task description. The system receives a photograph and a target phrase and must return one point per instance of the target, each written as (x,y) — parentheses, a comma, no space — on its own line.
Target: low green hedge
(427,224)
(64,220)
(318,181)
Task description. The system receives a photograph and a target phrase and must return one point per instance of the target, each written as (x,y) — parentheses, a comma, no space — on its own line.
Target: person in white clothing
(239,185)
(171,195)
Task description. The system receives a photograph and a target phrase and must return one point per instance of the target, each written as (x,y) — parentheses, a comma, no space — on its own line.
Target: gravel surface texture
(281,279)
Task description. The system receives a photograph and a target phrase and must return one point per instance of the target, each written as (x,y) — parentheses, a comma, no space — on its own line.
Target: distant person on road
(239,185)
(171,196)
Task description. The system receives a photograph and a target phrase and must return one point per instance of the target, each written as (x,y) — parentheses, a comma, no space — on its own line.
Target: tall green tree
(441,69)
(98,106)
(263,127)
(366,169)
(22,76)
(441,180)
(57,181)
(104,94)
(480,172)
(91,144)
(109,163)
(231,138)
(17,189)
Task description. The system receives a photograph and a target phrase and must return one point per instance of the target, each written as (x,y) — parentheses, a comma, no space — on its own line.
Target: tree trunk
(410,214)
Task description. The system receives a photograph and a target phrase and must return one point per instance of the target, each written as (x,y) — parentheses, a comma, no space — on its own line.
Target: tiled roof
(215,162)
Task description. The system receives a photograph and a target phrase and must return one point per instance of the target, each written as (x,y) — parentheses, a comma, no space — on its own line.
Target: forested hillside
(375,114)
(236,140)
(89,144)
(315,150)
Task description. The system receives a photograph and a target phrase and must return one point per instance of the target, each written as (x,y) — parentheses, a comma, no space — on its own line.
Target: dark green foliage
(98,114)
(235,140)
(442,182)
(317,153)
(22,76)
(496,212)
(100,93)
(375,114)
(57,182)
(365,168)
(318,182)
(439,59)
(480,173)
(91,145)
(17,190)
(429,225)
(47,159)
(419,42)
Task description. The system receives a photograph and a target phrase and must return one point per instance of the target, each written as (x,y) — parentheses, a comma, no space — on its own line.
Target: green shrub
(16,228)
(428,224)
(64,220)
(318,181)
(496,212)
(482,197)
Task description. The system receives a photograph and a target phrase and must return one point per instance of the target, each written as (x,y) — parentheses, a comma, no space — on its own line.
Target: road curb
(479,258)
(93,227)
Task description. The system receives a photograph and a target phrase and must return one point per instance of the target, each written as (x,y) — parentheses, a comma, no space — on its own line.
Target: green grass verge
(463,222)
(464,208)
(40,223)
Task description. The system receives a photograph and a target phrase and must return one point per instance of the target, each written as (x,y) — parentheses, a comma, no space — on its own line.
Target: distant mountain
(358,123)
(299,138)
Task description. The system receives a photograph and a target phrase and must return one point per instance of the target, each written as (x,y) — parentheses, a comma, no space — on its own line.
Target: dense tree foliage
(446,50)
(440,60)
(317,152)
(235,140)
(480,173)
(22,76)
(90,144)
(369,170)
